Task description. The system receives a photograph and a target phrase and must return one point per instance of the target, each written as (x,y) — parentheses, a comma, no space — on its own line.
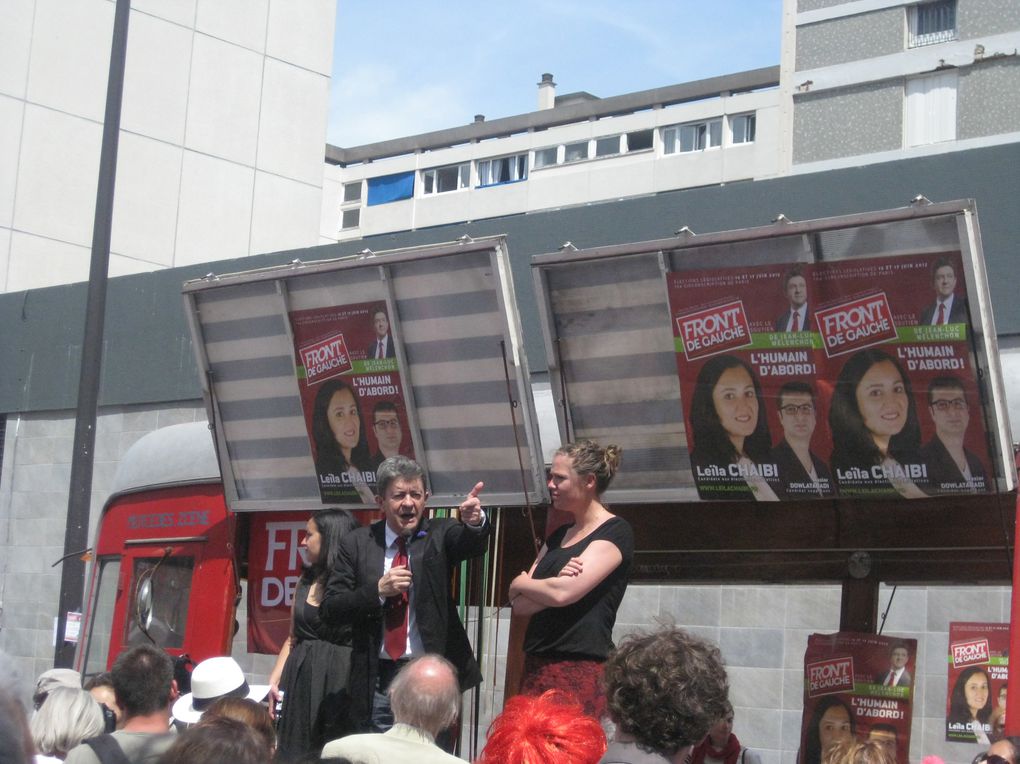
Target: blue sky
(402,67)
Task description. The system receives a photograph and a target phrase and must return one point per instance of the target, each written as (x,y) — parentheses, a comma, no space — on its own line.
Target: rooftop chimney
(546,92)
(479,117)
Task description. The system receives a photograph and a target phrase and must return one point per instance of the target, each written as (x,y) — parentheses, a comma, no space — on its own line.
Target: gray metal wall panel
(975,18)
(850,38)
(149,357)
(847,122)
(986,99)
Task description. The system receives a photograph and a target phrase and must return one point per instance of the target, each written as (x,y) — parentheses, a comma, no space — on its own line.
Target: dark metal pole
(72,574)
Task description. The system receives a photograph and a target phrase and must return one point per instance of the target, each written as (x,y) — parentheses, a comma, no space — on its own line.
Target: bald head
(425,694)
(1006,748)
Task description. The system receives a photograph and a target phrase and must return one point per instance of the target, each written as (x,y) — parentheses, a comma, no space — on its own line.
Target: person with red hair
(550,728)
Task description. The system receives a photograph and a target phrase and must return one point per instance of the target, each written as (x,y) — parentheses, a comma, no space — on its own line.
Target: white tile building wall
(222,132)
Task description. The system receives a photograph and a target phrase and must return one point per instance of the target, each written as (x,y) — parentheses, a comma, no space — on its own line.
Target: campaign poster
(275,560)
(978,672)
(351,395)
(857,687)
(808,380)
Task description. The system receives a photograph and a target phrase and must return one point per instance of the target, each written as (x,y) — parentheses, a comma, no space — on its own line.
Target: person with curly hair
(576,584)
(665,690)
(851,751)
(549,728)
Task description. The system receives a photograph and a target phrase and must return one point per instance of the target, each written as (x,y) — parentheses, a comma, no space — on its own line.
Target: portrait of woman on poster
(831,723)
(341,446)
(970,703)
(873,419)
(729,427)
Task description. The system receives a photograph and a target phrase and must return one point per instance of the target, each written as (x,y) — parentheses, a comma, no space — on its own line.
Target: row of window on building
(497,171)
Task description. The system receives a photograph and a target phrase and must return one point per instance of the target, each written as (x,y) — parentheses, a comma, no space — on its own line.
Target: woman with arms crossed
(315,660)
(574,588)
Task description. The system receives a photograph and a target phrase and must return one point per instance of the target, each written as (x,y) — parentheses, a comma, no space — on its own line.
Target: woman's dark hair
(813,744)
(327,450)
(711,443)
(959,711)
(253,715)
(218,739)
(333,525)
(853,444)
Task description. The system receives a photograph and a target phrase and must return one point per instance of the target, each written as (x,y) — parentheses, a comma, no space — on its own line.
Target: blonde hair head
(589,458)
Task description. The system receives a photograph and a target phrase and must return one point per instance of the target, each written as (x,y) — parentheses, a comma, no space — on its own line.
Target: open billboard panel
(316,372)
(845,357)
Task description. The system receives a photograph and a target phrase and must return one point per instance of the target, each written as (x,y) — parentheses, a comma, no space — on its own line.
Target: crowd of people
(377,660)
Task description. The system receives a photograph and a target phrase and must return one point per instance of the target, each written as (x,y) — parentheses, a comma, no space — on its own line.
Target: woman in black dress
(312,668)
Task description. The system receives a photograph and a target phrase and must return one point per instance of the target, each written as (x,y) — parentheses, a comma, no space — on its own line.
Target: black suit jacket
(784,319)
(791,471)
(352,596)
(390,352)
(903,681)
(957,313)
(943,474)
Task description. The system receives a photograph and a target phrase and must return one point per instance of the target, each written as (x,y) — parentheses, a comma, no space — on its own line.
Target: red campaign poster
(857,686)
(976,692)
(801,381)
(275,559)
(351,395)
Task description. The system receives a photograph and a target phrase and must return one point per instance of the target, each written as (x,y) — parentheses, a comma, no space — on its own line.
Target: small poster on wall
(976,692)
(352,396)
(857,686)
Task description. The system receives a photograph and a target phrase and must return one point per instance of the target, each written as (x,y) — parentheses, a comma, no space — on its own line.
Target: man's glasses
(956,404)
(804,408)
(387,424)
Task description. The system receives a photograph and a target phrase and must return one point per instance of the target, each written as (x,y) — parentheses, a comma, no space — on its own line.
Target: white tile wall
(223,101)
(145,200)
(57,173)
(15,44)
(34,260)
(288,90)
(284,214)
(156,78)
(242,22)
(178,11)
(70,58)
(215,209)
(302,33)
(11,112)
(5,254)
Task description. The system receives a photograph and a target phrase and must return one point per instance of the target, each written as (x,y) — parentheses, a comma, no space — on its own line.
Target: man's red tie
(888,679)
(395,638)
(795,326)
(379,350)
(942,313)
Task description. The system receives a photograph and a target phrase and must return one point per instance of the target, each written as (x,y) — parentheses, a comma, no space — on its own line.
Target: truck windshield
(98,646)
(160,620)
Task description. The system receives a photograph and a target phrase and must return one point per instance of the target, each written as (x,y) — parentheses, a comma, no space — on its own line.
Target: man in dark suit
(382,345)
(797,317)
(798,415)
(391,581)
(947,308)
(952,468)
(896,675)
